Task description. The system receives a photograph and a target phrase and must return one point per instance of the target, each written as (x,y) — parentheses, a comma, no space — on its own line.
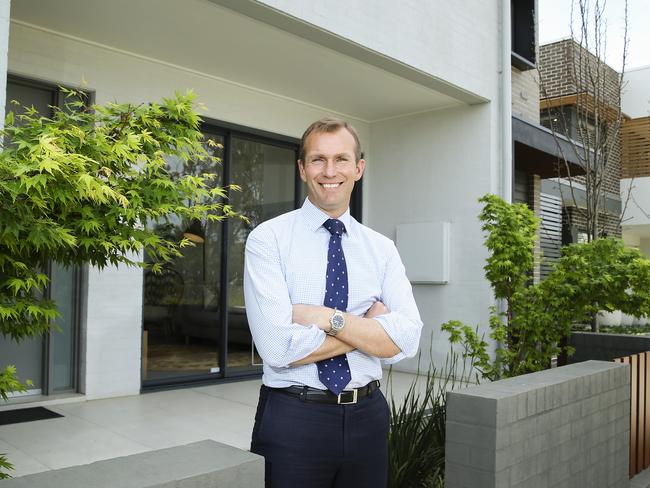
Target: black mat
(26,415)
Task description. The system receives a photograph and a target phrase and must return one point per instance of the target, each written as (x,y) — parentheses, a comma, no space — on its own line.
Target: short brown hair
(330,125)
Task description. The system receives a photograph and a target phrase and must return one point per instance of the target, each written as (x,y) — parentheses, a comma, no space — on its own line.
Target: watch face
(337,321)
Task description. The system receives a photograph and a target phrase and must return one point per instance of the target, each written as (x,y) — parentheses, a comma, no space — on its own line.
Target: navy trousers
(314,445)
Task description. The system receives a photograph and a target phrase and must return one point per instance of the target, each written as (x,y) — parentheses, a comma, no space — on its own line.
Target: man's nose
(330,168)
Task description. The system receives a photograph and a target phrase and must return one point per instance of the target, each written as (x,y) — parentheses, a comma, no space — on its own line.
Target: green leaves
(78,188)
(599,275)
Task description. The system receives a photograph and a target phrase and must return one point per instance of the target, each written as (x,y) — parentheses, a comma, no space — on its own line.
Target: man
(327,300)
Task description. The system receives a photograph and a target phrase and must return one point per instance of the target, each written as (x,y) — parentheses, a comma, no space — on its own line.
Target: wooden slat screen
(550,232)
(635,142)
(639,410)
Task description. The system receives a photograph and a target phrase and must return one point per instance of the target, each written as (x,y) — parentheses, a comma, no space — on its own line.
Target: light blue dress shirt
(285,264)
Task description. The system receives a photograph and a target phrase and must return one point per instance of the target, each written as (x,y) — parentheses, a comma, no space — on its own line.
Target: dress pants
(315,445)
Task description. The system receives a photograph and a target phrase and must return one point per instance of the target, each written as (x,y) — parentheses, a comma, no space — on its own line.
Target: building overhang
(538,151)
(250,45)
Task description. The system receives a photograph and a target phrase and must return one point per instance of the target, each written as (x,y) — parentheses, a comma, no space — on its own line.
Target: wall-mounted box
(424,248)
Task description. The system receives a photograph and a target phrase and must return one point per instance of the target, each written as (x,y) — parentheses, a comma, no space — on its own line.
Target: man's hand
(378,308)
(320,315)
(312,314)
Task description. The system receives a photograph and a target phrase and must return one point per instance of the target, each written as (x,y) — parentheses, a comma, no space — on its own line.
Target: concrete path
(103,429)
(641,480)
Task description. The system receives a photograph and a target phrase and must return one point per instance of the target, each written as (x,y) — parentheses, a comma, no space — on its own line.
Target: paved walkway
(641,480)
(103,429)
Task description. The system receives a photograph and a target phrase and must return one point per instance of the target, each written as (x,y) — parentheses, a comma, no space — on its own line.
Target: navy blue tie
(334,373)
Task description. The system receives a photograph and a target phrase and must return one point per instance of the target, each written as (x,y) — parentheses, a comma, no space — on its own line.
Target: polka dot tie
(334,373)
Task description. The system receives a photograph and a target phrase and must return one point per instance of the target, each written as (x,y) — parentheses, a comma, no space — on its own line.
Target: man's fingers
(377,308)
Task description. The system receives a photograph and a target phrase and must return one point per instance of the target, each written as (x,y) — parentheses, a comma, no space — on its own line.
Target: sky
(554,20)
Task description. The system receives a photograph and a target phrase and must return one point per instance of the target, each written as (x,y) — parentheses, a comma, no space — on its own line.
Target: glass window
(267,175)
(192,329)
(181,304)
(56,370)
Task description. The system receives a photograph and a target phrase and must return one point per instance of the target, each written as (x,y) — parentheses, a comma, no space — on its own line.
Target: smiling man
(327,301)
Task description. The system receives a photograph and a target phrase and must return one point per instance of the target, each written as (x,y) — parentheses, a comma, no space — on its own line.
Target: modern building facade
(636,159)
(426,84)
(564,99)
(567,106)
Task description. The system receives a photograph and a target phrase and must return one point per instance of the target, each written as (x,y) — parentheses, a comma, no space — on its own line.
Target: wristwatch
(337,322)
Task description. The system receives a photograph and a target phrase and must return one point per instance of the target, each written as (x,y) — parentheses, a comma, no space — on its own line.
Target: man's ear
(301,170)
(361,166)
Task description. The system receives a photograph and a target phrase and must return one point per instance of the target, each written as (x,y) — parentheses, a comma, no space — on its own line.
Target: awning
(537,151)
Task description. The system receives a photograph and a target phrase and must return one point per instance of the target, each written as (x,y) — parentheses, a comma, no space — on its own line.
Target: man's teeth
(331,185)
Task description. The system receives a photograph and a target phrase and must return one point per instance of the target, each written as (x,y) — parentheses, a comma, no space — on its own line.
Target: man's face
(330,170)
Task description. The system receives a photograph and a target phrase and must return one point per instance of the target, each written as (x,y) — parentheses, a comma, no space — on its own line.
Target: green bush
(81,187)
(529,331)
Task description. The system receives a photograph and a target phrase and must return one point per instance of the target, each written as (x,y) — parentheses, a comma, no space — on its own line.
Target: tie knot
(335,226)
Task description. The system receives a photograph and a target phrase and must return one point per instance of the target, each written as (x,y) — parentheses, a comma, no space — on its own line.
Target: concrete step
(205,464)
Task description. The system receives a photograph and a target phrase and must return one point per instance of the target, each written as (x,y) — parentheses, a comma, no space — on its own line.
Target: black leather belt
(346,397)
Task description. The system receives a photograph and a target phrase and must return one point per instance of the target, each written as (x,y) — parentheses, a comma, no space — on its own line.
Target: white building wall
(112,339)
(424,170)
(453,41)
(644,246)
(5,7)
(637,211)
(635,101)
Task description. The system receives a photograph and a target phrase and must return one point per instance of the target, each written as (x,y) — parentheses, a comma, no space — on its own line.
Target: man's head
(330,163)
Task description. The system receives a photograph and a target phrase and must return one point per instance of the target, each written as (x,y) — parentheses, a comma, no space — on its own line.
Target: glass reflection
(181,304)
(266,173)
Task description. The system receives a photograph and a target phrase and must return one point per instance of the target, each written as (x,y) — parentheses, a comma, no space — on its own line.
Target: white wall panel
(455,41)
(434,167)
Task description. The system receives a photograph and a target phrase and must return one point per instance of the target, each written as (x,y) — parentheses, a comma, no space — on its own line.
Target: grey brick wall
(563,428)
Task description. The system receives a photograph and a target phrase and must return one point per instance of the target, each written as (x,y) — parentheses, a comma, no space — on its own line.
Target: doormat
(26,415)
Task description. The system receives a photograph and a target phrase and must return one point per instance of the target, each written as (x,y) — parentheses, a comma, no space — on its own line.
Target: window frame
(523,35)
(80,273)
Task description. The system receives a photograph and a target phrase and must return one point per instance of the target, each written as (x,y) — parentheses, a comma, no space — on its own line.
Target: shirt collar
(315,217)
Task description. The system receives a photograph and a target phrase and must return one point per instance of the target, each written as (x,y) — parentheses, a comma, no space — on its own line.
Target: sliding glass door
(194,315)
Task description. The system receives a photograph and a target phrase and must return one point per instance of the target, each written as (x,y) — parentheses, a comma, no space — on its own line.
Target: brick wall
(560,428)
(608,222)
(560,79)
(563,68)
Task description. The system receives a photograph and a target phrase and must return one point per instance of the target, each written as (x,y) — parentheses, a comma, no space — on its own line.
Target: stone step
(205,464)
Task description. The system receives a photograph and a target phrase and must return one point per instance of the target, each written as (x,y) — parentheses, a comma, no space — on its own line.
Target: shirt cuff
(403,332)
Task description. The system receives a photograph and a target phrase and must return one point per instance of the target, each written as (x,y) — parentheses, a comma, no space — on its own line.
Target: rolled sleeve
(405,333)
(279,341)
(403,324)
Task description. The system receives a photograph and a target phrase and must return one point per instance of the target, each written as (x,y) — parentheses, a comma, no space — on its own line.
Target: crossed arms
(363,333)
(288,335)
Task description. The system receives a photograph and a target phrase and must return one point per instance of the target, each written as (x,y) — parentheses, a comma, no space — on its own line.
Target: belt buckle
(354,397)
